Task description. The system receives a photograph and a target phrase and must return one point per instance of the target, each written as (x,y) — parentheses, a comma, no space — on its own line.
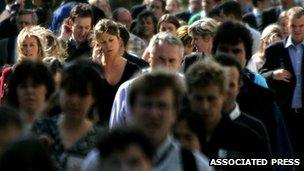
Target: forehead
(166,50)
(83,20)
(25,17)
(105,36)
(156,2)
(212,89)
(297,20)
(30,39)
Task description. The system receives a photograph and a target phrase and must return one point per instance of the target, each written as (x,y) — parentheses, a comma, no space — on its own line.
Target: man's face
(156,7)
(131,158)
(195,5)
(155,114)
(166,56)
(296,28)
(234,87)
(81,28)
(24,21)
(125,18)
(265,4)
(208,5)
(207,102)
(238,51)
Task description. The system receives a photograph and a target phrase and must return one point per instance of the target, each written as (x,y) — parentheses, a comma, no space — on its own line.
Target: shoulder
(45,125)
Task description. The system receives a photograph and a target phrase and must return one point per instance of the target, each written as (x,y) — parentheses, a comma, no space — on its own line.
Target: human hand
(281,74)
(66,29)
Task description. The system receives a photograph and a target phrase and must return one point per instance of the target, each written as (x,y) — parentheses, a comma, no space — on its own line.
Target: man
(135,45)
(76,32)
(207,84)
(63,12)
(233,38)
(194,7)
(254,18)
(283,70)
(231,107)
(154,110)
(8,46)
(231,11)
(165,51)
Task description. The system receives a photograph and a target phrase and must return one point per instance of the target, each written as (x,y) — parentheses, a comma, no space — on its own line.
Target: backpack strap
(188,159)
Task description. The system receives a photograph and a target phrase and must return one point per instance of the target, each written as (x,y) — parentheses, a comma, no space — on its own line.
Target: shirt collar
(256,12)
(289,42)
(235,112)
(163,148)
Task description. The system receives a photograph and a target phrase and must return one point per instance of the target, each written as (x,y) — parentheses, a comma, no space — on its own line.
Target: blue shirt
(296,54)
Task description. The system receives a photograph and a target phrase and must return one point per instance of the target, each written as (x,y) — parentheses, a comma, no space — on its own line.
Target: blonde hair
(204,27)
(48,43)
(26,32)
(268,32)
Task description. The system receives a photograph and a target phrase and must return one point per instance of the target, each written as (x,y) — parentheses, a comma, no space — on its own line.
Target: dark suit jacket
(255,125)
(8,50)
(270,15)
(277,56)
(75,52)
(250,19)
(185,15)
(260,103)
(238,141)
(191,59)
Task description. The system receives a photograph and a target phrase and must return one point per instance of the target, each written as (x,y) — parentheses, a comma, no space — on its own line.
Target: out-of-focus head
(283,22)
(202,33)
(104,5)
(195,5)
(26,17)
(207,84)
(155,107)
(31,85)
(126,148)
(123,16)
(173,6)
(168,22)
(271,34)
(165,51)
(182,34)
(231,11)
(157,7)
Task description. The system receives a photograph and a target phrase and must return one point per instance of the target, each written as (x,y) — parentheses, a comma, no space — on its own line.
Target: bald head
(123,16)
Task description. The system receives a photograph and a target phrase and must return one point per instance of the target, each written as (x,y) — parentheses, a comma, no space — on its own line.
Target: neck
(110,61)
(71,123)
(228,108)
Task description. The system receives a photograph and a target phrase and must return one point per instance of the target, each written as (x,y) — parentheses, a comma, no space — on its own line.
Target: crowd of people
(160,86)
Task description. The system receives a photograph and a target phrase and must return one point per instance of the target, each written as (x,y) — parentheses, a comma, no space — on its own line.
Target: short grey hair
(204,27)
(165,37)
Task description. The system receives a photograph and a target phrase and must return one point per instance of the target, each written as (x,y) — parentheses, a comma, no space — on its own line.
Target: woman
(30,44)
(108,54)
(30,86)
(182,33)
(71,135)
(168,22)
(269,35)
(146,26)
(202,33)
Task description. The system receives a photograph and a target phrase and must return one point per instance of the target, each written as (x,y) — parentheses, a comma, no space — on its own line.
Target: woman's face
(185,136)
(31,96)
(74,105)
(202,44)
(147,26)
(109,44)
(166,26)
(30,48)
